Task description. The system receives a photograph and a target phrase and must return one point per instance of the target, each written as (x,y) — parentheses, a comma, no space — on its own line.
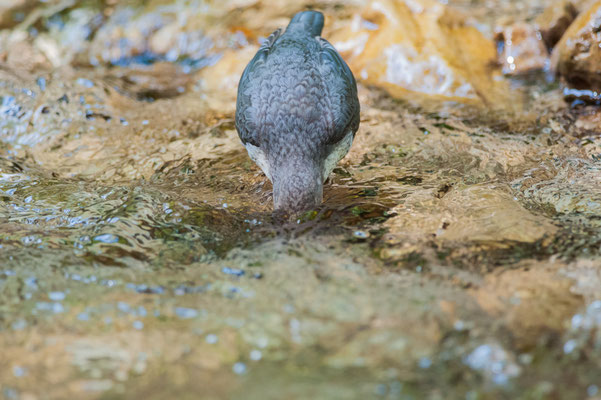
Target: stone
(522,49)
(13,11)
(577,56)
(555,20)
(424,48)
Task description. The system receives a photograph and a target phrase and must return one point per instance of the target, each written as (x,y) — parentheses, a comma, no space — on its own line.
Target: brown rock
(9,10)
(577,56)
(555,20)
(523,50)
(423,47)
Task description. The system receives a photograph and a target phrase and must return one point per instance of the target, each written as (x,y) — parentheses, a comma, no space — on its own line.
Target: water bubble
(84,316)
(139,325)
(56,296)
(123,307)
(85,82)
(424,363)
(459,325)
(183,289)
(106,238)
(10,393)
(145,122)
(577,321)
(381,389)
(396,387)
(360,234)
(569,346)
(592,390)
(185,313)
(31,239)
(31,282)
(19,371)
(41,83)
(19,325)
(143,288)
(494,362)
(108,282)
(232,271)
(211,338)
(239,368)
(262,342)
(55,308)
(256,355)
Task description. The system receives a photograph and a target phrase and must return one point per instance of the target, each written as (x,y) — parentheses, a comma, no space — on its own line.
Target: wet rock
(521,49)
(158,81)
(419,47)
(20,56)
(494,216)
(185,33)
(13,11)
(222,78)
(555,20)
(494,362)
(577,56)
(482,214)
(521,298)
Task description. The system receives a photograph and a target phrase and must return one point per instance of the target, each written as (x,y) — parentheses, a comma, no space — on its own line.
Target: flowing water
(456,255)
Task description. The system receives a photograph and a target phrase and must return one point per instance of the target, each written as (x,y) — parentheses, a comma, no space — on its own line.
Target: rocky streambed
(456,255)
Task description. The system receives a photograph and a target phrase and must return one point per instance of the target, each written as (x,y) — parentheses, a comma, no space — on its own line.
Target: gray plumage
(297,111)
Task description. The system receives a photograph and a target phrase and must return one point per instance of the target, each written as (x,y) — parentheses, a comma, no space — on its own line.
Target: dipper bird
(297,111)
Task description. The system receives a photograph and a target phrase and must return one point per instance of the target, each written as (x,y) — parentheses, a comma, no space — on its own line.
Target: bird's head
(297,183)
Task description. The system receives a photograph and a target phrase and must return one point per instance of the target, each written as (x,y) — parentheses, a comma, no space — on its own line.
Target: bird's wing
(343,92)
(244,120)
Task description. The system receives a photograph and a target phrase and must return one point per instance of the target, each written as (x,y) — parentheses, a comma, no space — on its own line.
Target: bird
(297,111)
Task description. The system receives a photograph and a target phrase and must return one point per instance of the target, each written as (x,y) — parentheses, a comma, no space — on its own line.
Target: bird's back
(297,107)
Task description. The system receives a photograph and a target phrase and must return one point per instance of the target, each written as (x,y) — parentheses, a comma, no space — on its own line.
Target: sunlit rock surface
(423,47)
(578,55)
(556,19)
(523,50)
(456,254)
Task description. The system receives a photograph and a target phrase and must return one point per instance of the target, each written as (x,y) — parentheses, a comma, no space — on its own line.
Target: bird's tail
(310,21)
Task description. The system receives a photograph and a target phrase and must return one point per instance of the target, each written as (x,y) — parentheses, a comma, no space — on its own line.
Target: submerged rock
(420,47)
(577,57)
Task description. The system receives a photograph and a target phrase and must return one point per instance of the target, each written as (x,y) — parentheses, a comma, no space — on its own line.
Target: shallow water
(456,254)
